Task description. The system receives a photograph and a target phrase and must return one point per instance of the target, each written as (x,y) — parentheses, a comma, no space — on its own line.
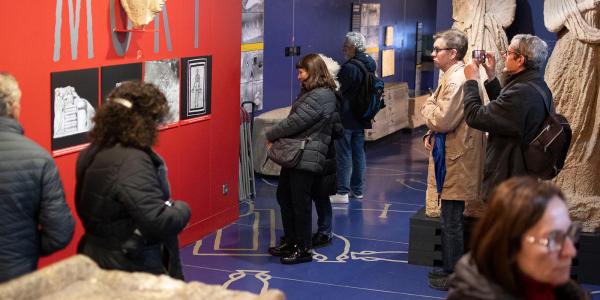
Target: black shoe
(283,249)
(437,273)
(299,255)
(440,283)
(320,239)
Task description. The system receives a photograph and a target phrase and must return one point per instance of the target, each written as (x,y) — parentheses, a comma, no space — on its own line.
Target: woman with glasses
(521,248)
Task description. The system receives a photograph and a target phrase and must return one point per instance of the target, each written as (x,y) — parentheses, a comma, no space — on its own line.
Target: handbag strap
(547,103)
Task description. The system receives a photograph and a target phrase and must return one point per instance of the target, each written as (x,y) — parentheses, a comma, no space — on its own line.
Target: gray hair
(534,49)
(454,39)
(357,40)
(9,92)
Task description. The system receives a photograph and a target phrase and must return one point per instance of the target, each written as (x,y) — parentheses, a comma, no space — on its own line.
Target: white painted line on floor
(322,283)
(385,211)
(267,182)
(375,240)
(371,209)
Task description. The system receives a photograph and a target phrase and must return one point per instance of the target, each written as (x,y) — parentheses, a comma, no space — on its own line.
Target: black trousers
(452,233)
(294,195)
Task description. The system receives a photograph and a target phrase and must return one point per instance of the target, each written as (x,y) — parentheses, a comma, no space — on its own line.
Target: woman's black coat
(123,200)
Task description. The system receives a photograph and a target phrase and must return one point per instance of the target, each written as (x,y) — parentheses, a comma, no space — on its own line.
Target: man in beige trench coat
(464,151)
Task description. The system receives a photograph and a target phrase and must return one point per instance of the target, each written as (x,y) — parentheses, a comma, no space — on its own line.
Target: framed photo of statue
(74,101)
(113,76)
(165,75)
(196,80)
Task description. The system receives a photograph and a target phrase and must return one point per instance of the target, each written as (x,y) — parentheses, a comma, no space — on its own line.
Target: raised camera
(479,56)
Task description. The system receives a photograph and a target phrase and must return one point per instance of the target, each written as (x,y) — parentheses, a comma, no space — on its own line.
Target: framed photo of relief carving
(74,100)
(196,80)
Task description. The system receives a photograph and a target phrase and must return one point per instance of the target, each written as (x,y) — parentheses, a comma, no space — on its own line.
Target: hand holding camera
(488,60)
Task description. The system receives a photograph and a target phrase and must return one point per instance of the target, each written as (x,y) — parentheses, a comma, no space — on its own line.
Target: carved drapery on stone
(484,21)
(573,75)
(142,12)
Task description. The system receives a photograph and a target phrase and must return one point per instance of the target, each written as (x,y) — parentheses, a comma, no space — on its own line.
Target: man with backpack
(516,112)
(350,152)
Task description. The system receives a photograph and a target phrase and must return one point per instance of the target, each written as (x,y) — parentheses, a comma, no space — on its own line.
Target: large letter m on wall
(74,17)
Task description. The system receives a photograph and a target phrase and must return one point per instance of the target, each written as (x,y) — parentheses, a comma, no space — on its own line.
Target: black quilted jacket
(121,189)
(34,217)
(314,114)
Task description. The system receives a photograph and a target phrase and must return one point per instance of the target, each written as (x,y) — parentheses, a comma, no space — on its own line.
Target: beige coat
(465,146)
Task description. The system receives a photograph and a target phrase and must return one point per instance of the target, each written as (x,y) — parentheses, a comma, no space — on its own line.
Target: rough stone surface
(484,21)
(80,278)
(262,164)
(573,75)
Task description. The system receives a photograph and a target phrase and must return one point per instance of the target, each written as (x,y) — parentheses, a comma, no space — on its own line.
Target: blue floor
(368,257)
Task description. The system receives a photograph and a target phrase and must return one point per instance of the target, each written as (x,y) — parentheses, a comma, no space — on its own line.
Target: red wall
(201,156)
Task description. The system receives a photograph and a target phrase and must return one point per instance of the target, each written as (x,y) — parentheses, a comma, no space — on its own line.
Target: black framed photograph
(113,76)
(196,79)
(74,100)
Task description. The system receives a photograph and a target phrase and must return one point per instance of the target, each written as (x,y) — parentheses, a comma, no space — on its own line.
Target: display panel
(165,75)
(74,96)
(113,76)
(196,77)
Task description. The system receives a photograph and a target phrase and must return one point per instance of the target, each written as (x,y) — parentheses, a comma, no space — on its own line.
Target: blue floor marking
(367,259)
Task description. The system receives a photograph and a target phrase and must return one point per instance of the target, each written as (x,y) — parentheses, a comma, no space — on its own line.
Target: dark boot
(298,255)
(320,239)
(439,283)
(284,248)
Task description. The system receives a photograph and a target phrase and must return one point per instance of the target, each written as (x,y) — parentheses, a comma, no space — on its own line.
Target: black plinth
(425,241)
(586,266)
(425,247)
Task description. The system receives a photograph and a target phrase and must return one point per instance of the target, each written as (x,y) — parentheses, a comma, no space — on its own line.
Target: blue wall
(320,26)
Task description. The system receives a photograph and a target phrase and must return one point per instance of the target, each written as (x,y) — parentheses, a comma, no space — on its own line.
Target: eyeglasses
(556,239)
(507,52)
(437,50)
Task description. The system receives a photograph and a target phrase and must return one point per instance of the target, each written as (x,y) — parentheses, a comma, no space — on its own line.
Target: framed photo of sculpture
(387,62)
(252,91)
(252,28)
(253,6)
(251,81)
(196,79)
(252,66)
(113,76)
(165,74)
(74,100)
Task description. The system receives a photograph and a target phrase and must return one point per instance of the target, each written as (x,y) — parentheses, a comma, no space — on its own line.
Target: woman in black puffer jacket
(312,116)
(122,194)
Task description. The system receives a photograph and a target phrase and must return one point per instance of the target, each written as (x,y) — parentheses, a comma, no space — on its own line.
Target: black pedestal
(425,247)
(586,266)
(425,241)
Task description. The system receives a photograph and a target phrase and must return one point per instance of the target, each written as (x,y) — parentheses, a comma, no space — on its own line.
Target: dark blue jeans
(324,188)
(452,233)
(351,161)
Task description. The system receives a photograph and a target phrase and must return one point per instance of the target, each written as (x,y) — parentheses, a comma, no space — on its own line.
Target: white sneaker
(359,196)
(338,198)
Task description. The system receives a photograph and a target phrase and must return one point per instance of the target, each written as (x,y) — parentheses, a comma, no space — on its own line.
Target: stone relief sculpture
(78,277)
(484,21)
(142,12)
(573,76)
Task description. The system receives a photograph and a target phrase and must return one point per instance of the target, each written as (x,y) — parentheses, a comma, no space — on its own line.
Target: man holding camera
(515,112)
(456,164)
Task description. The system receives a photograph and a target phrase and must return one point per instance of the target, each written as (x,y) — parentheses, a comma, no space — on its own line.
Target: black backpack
(545,155)
(369,99)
